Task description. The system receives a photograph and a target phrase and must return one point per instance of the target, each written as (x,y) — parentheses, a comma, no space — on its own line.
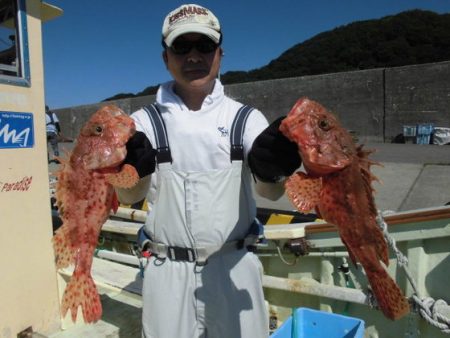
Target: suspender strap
(162,142)
(237,133)
(159,129)
(50,115)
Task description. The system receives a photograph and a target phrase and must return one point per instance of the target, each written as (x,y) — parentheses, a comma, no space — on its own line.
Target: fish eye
(324,124)
(98,129)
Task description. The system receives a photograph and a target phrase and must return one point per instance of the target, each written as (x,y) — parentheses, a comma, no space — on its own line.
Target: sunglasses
(204,46)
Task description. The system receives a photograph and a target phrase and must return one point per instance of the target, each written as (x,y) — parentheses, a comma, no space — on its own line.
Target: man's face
(193,60)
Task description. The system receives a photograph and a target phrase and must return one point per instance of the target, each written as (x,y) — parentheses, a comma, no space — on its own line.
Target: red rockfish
(85,196)
(338,186)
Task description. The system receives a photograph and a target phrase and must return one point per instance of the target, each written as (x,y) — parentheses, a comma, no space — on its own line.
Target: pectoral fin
(303,191)
(127,177)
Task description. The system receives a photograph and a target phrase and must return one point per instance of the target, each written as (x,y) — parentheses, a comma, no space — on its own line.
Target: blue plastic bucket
(313,323)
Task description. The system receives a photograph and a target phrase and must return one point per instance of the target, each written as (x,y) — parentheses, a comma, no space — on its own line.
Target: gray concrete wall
(355,97)
(417,94)
(373,103)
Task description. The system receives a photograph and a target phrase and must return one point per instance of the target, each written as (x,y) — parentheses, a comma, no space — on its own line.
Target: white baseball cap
(190,18)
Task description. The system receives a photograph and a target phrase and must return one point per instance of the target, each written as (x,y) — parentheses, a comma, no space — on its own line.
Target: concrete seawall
(373,103)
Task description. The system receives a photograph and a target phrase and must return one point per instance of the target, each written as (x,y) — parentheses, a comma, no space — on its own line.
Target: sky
(100,48)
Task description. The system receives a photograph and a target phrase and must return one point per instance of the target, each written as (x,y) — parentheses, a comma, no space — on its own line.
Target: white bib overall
(223,298)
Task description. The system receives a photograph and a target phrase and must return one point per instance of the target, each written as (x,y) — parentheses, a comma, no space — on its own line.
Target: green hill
(410,37)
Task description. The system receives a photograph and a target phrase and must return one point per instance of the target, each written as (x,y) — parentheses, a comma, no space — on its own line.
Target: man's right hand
(140,154)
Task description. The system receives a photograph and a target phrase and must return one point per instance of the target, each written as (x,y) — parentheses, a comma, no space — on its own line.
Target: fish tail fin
(81,291)
(390,298)
(388,295)
(64,253)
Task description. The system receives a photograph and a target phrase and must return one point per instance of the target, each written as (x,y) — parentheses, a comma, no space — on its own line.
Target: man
(53,131)
(201,280)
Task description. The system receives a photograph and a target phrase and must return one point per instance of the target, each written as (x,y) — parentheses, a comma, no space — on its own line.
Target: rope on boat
(428,308)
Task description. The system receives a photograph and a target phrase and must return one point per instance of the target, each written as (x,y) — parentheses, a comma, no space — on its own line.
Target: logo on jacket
(223,131)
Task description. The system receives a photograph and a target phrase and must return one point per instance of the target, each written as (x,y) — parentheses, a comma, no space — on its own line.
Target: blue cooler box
(313,323)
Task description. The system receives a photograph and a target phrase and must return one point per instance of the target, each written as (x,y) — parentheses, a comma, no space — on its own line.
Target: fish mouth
(113,156)
(323,160)
(110,158)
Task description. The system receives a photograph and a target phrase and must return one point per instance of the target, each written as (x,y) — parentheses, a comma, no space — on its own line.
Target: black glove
(140,154)
(272,155)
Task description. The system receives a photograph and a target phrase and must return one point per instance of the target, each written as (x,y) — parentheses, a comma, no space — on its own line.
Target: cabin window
(14,63)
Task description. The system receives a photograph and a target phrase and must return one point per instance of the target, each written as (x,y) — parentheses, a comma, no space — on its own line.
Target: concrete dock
(411,176)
